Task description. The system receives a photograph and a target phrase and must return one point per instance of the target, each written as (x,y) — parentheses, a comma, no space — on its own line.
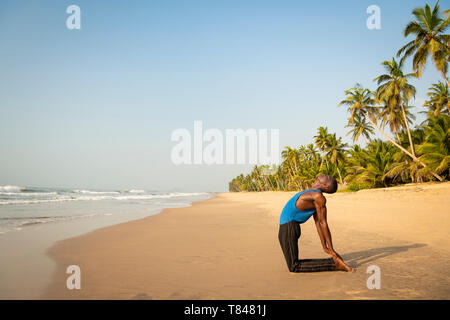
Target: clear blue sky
(95,107)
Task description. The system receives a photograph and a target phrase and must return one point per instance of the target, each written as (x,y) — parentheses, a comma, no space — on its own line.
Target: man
(297,211)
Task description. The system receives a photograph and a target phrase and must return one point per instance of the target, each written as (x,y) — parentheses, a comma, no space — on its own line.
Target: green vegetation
(419,154)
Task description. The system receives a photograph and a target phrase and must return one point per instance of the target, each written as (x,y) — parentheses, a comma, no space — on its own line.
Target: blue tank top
(291,213)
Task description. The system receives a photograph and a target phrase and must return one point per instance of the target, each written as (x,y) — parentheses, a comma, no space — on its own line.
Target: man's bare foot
(340,265)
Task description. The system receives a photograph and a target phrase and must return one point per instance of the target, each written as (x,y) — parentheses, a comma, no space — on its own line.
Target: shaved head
(326,183)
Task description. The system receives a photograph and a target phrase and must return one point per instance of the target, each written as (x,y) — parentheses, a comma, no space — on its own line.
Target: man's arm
(321,236)
(320,218)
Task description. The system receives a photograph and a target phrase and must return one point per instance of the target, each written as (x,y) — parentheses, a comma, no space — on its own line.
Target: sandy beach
(227,248)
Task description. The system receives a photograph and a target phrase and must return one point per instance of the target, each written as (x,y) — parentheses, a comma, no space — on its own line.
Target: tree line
(418,154)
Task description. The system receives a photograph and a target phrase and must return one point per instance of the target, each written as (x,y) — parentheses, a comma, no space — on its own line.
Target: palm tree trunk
(445,78)
(260,184)
(407,129)
(365,140)
(291,173)
(339,173)
(295,166)
(403,149)
(321,161)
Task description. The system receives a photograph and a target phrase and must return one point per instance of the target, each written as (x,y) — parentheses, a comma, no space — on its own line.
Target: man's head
(326,183)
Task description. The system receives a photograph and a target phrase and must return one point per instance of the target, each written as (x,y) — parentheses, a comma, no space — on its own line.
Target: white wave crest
(95,192)
(27,194)
(96,196)
(10,189)
(136,191)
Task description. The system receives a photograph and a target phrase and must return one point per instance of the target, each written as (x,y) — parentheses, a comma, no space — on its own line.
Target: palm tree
(360,128)
(395,119)
(236,184)
(436,148)
(321,141)
(257,179)
(335,151)
(311,153)
(395,91)
(360,102)
(404,169)
(357,159)
(439,99)
(290,157)
(430,39)
(379,159)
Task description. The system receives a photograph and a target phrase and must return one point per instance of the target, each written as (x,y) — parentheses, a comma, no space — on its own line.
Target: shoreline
(26,269)
(226,247)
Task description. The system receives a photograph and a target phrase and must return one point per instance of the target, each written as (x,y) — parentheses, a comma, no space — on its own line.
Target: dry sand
(227,248)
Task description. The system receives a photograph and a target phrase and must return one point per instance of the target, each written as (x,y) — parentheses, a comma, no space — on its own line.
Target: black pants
(288,235)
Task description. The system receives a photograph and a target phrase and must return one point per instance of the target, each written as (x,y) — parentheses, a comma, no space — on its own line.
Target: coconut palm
(335,151)
(429,28)
(404,169)
(360,102)
(236,184)
(291,159)
(379,159)
(436,148)
(395,92)
(357,159)
(360,128)
(311,153)
(439,99)
(395,119)
(321,141)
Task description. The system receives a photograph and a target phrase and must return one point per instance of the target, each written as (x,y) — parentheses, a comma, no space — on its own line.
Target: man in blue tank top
(298,210)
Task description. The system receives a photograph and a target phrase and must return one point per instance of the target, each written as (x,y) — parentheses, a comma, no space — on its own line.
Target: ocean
(22,207)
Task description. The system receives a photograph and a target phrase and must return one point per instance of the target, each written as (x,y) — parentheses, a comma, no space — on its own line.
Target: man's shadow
(358,258)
